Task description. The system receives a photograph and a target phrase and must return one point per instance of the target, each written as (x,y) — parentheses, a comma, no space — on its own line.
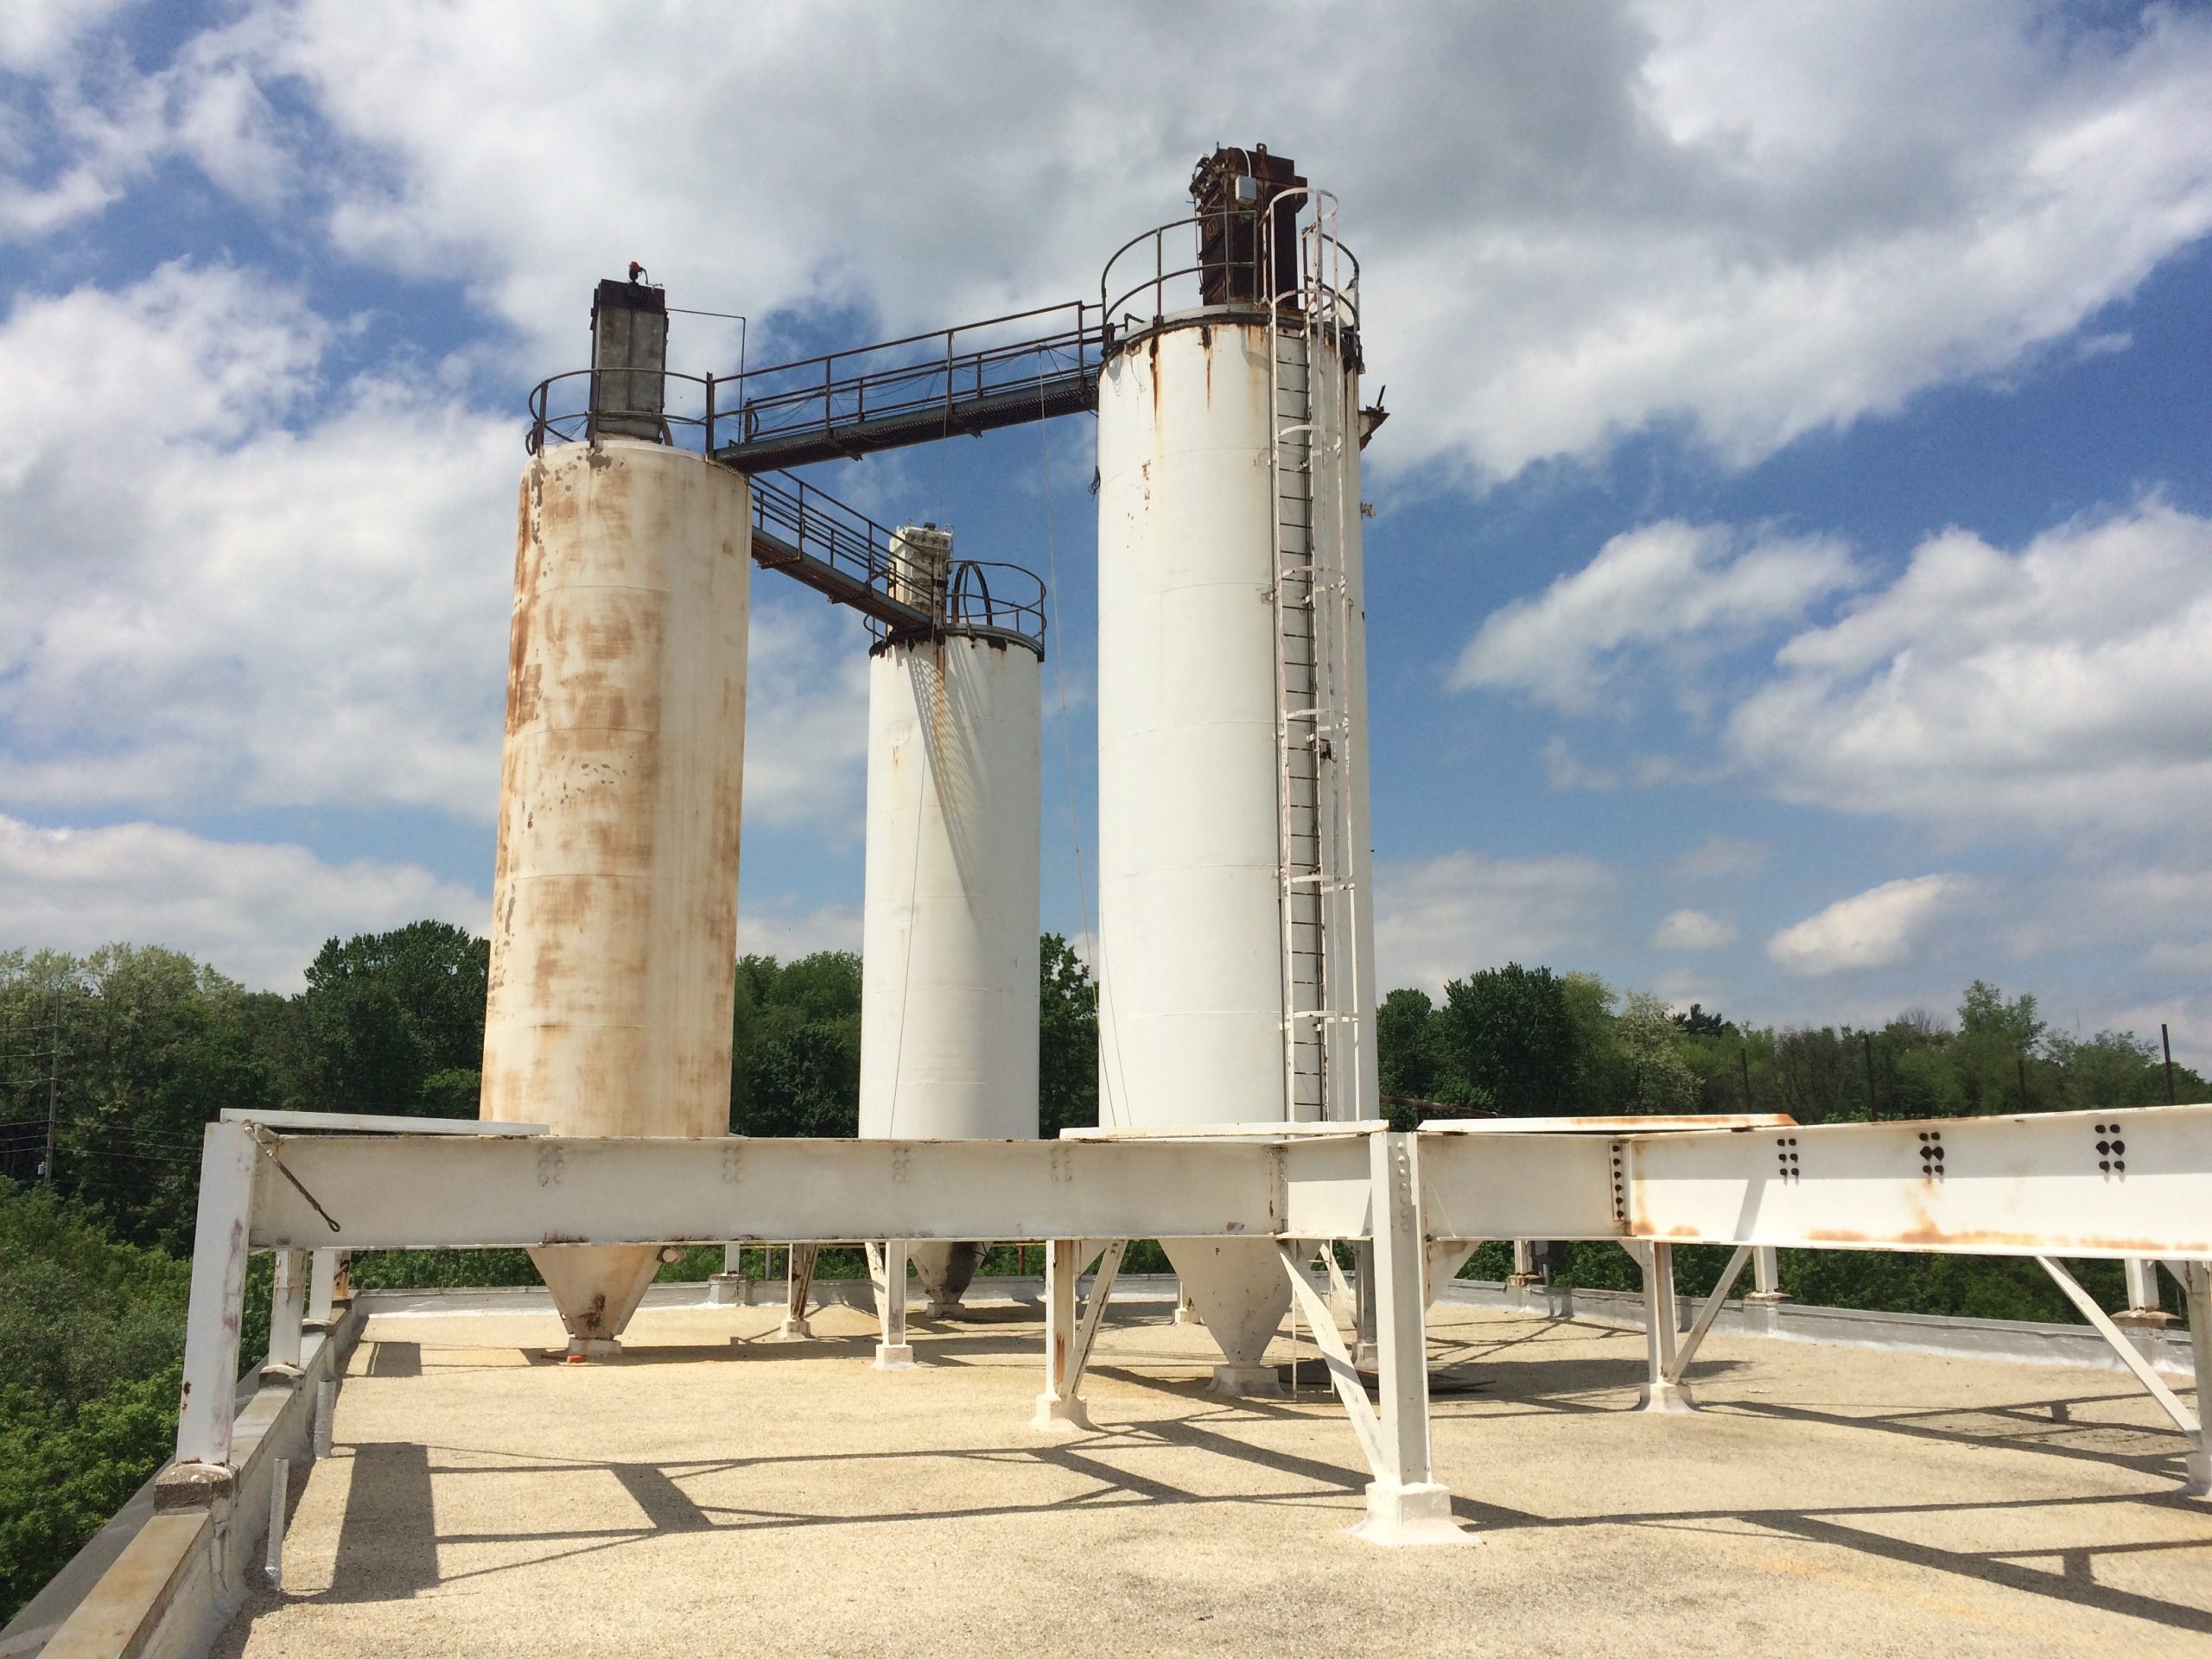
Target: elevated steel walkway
(1031,366)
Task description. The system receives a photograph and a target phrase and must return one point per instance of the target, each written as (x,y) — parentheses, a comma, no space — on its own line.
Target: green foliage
(394,1022)
(79,1309)
(1067,1040)
(90,1333)
(1509,1032)
(64,1470)
(795,1062)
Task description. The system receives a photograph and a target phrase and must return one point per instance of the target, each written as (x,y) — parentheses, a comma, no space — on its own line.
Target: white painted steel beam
(2068,1183)
(393,1193)
(2065,1183)
(373,1123)
(2013,1186)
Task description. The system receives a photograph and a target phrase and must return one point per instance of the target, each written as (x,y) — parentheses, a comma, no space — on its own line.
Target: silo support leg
(1663,1388)
(1067,1338)
(2197,1280)
(798,1286)
(887,1266)
(1405,1505)
(323,1288)
(288,1308)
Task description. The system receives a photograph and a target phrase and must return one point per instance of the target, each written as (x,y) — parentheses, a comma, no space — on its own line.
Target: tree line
(129,1051)
(1522,1042)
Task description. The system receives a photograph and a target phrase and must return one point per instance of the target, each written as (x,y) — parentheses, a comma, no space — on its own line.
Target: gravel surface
(712,1492)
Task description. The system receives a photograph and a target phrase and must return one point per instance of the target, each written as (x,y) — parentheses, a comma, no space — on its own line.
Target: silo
(949,997)
(1236,955)
(614,898)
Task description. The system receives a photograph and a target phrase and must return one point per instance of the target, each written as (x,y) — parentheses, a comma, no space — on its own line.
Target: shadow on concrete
(385,1547)
(394,1359)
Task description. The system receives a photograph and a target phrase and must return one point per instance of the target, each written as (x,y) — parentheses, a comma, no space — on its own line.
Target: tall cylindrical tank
(949,997)
(1189,864)
(1203,977)
(615,899)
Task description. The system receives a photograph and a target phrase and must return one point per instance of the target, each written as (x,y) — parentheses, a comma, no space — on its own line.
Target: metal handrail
(1017,606)
(844,387)
(1343,300)
(550,424)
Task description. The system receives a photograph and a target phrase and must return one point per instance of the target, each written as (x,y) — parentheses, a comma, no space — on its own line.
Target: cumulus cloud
(1670,587)
(1719,856)
(1692,930)
(780,929)
(1442,919)
(244,613)
(1753,226)
(1875,929)
(2061,686)
(257,912)
(254,612)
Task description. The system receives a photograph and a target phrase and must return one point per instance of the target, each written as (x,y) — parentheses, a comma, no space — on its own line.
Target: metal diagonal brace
(2184,1418)
(268,1151)
(1067,1340)
(1094,1309)
(1686,1351)
(1366,1426)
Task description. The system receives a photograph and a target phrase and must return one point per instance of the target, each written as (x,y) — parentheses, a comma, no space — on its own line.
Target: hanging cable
(1067,741)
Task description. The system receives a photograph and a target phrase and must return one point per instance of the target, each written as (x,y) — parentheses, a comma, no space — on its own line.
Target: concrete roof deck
(706,1495)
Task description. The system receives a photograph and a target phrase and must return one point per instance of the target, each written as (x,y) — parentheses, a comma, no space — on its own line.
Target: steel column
(288,1306)
(887,1266)
(227,1158)
(1661,1391)
(1060,1406)
(322,1287)
(1405,1505)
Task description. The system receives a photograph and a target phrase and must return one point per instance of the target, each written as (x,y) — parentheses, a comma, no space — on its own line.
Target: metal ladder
(1313,726)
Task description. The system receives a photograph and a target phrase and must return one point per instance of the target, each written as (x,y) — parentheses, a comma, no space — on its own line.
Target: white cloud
(1692,930)
(779,930)
(244,614)
(1879,928)
(2059,688)
(258,912)
(1669,587)
(1442,919)
(806,711)
(1718,856)
(253,615)
(1754,226)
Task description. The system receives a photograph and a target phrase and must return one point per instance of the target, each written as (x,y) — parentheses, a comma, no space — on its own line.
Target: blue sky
(1790,583)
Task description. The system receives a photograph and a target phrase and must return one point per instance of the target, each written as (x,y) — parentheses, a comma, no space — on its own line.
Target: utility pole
(1866,1039)
(53,1079)
(1744,1059)
(2021,1061)
(2167,1043)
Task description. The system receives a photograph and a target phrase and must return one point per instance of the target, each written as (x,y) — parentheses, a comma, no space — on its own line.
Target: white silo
(1236,938)
(614,898)
(949,988)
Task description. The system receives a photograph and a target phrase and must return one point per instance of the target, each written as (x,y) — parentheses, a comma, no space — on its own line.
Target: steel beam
(2068,1183)
(387,1193)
